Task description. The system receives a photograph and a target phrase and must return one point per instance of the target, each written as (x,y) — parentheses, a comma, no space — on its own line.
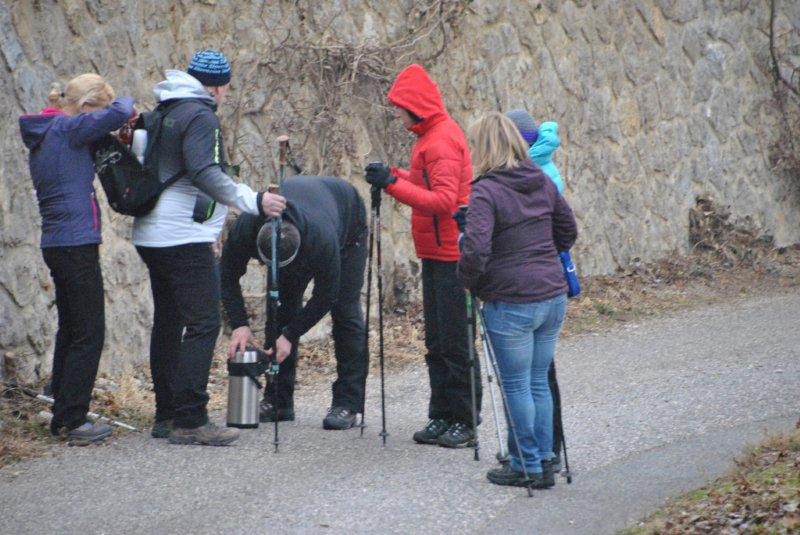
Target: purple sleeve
(477,242)
(565,229)
(86,128)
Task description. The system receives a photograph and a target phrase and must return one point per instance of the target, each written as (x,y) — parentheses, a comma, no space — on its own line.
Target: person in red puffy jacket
(435,185)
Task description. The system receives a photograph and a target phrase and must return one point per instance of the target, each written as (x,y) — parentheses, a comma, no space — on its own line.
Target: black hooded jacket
(330,215)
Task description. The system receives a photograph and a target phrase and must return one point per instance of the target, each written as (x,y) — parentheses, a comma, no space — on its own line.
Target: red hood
(52,111)
(414,90)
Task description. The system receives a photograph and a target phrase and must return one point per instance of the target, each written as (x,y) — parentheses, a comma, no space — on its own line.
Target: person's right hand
(241,337)
(272,205)
(378,175)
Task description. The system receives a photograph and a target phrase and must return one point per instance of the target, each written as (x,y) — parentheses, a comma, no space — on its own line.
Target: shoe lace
(338,411)
(458,429)
(436,426)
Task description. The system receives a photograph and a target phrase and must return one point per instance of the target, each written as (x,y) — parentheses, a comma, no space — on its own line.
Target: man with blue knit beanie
(176,242)
(211,68)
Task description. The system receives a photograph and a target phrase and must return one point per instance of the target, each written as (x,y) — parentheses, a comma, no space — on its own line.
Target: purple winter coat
(62,169)
(516,224)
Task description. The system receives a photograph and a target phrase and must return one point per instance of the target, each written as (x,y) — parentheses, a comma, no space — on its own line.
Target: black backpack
(133,188)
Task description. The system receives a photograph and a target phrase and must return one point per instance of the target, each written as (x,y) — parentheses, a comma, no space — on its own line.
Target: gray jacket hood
(179,84)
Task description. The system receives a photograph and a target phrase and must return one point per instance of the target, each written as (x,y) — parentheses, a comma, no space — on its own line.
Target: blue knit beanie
(525,124)
(210,67)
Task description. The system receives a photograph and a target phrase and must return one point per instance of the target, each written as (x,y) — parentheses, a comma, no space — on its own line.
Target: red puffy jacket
(441,169)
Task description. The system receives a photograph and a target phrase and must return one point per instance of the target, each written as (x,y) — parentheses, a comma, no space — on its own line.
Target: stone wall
(658,101)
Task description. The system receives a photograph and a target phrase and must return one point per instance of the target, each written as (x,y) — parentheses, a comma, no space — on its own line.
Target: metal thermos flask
(243,390)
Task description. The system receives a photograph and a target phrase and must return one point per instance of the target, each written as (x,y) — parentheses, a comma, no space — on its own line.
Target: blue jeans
(524,339)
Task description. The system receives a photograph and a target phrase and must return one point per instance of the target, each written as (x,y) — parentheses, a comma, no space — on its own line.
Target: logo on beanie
(210,67)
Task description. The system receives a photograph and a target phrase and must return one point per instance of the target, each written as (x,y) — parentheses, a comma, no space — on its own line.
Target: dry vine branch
(776,69)
(785,154)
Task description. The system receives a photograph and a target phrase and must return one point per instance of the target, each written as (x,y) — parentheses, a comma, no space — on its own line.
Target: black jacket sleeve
(325,264)
(236,253)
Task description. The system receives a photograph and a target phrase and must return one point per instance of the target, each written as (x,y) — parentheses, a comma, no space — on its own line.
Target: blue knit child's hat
(210,67)
(525,124)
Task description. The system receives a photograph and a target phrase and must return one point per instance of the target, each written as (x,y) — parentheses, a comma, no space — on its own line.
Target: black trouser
(446,339)
(557,422)
(186,322)
(348,333)
(81,330)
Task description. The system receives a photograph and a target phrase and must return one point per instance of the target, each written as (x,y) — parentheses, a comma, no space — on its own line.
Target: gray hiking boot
(505,475)
(161,429)
(209,434)
(555,462)
(548,474)
(459,435)
(432,431)
(339,418)
(267,412)
(88,433)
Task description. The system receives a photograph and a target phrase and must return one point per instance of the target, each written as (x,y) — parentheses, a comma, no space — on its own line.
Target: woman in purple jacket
(61,165)
(516,225)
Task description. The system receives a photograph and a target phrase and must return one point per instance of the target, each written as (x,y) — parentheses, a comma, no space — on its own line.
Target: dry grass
(22,434)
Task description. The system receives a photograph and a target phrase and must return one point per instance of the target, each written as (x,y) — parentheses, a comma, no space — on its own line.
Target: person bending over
(323,235)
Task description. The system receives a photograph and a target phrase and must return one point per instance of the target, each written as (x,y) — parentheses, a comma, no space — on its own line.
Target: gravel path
(651,409)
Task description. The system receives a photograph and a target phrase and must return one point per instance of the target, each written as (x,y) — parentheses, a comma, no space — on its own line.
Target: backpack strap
(153,122)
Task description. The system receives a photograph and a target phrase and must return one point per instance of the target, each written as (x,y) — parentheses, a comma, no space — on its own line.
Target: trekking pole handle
(283,149)
(284,156)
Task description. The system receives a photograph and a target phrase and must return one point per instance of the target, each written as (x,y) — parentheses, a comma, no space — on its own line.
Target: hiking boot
(555,462)
(88,433)
(209,434)
(339,418)
(507,476)
(266,413)
(459,435)
(548,474)
(161,429)
(432,432)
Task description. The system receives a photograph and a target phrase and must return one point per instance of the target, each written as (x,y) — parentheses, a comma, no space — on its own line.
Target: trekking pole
(287,158)
(366,323)
(559,421)
(273,297)
(502,454)
(51,401)
(376,210)
(472,360)
(512,427)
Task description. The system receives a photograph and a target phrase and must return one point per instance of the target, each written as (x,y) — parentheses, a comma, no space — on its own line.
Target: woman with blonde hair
(62,168)
(516,224)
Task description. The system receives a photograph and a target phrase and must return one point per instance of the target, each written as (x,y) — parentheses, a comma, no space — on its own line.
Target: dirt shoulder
(761,494)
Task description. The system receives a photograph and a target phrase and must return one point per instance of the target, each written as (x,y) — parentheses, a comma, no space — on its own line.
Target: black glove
(460,217)
(378,175)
